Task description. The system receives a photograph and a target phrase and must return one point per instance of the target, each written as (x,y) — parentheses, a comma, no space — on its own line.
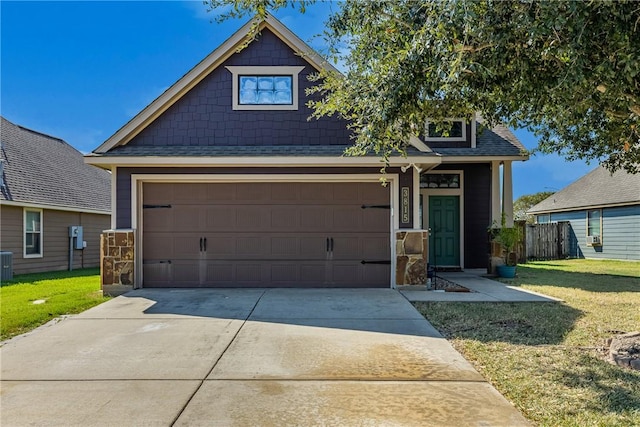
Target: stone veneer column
(117,261)
(411,257)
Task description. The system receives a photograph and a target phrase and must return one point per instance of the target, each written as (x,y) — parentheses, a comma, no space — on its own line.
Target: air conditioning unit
(6,266)
(593,241)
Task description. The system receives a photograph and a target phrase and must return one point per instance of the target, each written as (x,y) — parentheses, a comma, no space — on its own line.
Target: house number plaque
(405,205)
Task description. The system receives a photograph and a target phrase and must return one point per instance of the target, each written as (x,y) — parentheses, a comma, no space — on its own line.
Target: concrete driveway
(238,357)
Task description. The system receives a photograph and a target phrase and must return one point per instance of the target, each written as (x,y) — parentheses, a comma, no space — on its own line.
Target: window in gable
(453,130)
(32,233)
(265,88)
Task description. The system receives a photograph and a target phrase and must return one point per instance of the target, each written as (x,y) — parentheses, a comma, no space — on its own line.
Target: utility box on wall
(75,232)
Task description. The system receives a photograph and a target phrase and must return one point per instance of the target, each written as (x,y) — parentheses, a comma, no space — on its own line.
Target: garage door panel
(375,247)
(157,218)
(221,246)
(190,193)
(283,217)
(266,234)
(316,193)
(184,218)
(257,192)
(186,247)
(373,194)
(187,272)
(358,247)
(158,246)
(221,218)
(159,274)
(315,218)
(158,193)
(375,275)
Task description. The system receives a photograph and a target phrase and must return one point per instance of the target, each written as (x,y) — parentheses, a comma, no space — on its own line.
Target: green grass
(548,358)
(65,292)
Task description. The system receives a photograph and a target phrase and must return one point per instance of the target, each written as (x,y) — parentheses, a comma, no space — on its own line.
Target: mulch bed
(448,286)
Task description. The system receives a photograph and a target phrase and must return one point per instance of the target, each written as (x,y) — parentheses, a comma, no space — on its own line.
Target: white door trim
(426,192)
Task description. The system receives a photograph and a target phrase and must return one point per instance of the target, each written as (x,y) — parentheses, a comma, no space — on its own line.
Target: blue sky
(80,70)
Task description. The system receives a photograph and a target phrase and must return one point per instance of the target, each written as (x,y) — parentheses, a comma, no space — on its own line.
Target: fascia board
(480,159)
(271,161)
(52,207)
(585,207)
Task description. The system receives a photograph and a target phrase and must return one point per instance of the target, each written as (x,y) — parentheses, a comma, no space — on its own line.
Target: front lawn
(548,358)
(30,300)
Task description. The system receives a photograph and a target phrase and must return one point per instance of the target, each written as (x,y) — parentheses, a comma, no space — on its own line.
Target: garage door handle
(328,245)
(201,244)
(332,244)
(205,244)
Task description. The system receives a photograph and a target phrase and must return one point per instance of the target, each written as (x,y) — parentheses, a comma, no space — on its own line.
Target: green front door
(444,222)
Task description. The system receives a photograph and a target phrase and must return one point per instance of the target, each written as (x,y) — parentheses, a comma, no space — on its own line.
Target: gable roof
(598,188)
(45,171)
(203,69)
(497,142)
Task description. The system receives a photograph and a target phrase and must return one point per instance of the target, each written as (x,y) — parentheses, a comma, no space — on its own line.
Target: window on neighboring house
(543,219)
(32,233)
(454,130)
(594,222)
(265,88)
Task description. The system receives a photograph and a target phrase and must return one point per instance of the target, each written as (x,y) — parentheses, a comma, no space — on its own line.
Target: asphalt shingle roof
(498,141)
(45,170)
(597,188)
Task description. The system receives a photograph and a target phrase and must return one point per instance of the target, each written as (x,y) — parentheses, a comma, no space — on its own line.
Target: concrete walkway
(484,290)
(243,357)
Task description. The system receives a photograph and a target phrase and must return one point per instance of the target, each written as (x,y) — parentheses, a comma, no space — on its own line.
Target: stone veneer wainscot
(117,266)
(411,257)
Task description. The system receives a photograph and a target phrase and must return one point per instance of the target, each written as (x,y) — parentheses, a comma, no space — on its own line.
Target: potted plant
(508,238)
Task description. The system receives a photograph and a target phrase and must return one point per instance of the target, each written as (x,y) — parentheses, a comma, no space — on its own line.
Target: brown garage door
(266,235)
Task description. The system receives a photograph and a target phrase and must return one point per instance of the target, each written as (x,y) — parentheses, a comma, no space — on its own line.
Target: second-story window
(265,88)
(452,130)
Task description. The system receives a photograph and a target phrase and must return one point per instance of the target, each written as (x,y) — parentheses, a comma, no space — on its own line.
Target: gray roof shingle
(597,188)
(45,170)
(498,141)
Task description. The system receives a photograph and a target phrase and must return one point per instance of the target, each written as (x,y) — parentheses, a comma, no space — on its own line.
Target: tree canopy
(526,202)
(568,71)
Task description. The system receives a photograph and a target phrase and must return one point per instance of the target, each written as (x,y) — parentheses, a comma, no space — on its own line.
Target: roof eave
(108,162)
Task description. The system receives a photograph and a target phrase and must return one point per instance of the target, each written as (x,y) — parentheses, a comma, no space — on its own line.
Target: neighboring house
(45,188)
(223,181)
(604,212)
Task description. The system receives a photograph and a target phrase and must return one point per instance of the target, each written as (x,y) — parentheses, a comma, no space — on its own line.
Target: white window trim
(587,230)
(448,138)
(24,233)
(237,71)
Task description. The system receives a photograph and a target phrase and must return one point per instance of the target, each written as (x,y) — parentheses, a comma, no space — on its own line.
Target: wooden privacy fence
(546,241)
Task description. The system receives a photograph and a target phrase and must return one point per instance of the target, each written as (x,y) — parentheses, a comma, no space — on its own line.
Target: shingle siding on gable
(620,233)
(204,116)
